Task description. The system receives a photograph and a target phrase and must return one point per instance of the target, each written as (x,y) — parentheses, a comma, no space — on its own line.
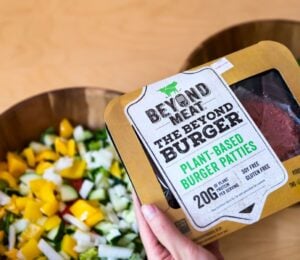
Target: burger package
(216,147)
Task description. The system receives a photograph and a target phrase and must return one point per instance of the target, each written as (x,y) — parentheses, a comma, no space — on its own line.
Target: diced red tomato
(76,184)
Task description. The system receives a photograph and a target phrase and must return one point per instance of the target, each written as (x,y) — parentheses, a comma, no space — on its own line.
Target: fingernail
(149,211)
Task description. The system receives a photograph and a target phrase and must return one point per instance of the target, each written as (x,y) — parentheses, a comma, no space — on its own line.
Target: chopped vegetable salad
(67,197)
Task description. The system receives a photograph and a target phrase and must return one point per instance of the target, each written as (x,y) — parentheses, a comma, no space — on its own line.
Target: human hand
(162,240)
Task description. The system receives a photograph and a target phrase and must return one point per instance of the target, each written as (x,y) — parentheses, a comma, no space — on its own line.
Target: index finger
(154,249)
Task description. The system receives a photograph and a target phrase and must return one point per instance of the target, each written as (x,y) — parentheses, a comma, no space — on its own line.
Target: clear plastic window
(275,111)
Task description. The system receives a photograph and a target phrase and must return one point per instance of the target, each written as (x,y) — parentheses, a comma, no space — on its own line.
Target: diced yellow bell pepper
(21,202)
(2,212)
(41,258)
(3,166)
(79,208)
(60,146)
(52,222)
(1,235)
(12,254)
(33,231)
(32,211)
(29,155)
(3,249)
(12,207)
(76,171)
(43,189)
(65,128)
(67,245)
(71,147)
(16,165)
(41,221)
(50,208)
(82,208)
(46,194)
(9,178)
(116,170)
(93,219)
(30,250)
(37,184)
(42,166)
(47,155)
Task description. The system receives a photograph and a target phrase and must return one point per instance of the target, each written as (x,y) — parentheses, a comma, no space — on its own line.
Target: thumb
(179,246)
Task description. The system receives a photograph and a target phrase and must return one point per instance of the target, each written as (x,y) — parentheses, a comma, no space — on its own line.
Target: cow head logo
(169,89)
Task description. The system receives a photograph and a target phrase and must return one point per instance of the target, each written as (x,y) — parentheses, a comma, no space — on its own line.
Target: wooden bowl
(243,35)
(26,120)
(275,237)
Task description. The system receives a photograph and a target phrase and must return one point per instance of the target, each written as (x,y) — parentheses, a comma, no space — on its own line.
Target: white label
(222,65)
(209,151)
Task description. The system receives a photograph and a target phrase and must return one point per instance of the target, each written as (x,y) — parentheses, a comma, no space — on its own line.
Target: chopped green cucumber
(68,193)
(104,227)
(126,239)
(48,139)
(28,177)
(98,194)
(57,233)
(112,234)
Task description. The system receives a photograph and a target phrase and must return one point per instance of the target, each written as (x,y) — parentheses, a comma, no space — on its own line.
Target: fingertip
(149,211)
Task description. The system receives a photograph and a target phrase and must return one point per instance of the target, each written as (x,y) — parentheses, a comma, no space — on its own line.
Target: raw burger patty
(278,128)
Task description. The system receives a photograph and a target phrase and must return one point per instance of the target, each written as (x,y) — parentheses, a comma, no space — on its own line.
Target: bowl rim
(206,41)
(57,90)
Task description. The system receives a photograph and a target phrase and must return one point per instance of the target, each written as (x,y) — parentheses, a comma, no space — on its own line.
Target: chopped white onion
(21,225)
(113,151)
(135,227)
(85,189)
(4,199)
(24,189)
(84,216)
(123,225)
(51,175)
(78,133)
(81,149)
(80,249)
(63,163)
(81,236)
(97,239)
(41,221)
(96,159)
(38,147)
(120,190)
(83,241)
(111,215)
(11,237)
(114,252)
(48,251)
(49,140)
(76,222)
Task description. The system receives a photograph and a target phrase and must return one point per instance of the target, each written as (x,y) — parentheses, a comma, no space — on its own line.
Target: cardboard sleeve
(259,58)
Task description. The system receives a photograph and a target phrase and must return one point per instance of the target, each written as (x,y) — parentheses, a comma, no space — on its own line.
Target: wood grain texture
(122,45)
(276,237)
